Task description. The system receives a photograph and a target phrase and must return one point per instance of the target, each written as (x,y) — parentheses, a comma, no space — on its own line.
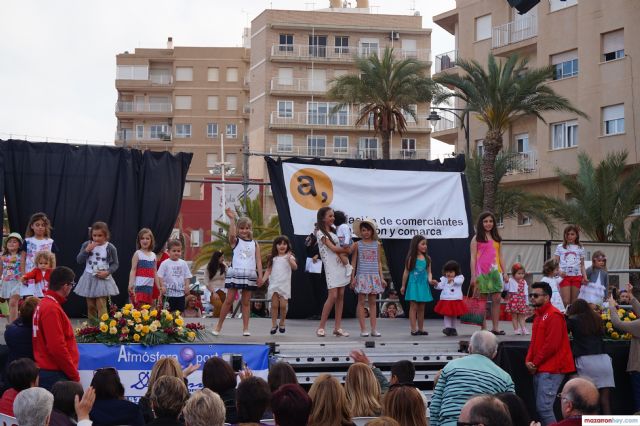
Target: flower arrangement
(610,331)
(146,326)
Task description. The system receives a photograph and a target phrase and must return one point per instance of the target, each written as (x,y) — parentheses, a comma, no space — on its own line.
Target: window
(286,43)
(132,72)
(320,113)
(483,27)
(613,119)
(139,131)
(183,102)
(499,221)
(212,102)
(316,145)
(317,79)
(183,130)
(196,237)
(232,103)
(212,160)
(368,148)
(369,46)
(232,131)
(480,147)
(318,46)
(522,142)
(565,64)
(407,115)
(159,131)
(232,74)
(409,48)
(232,163)
(184,74)
(212,130)
(186,192)
(560,4)
(342,44)
(408,148)
(523,219)
(613,45)
(284,143)
(285,109)
(213,74)
(564,135)
(340,144)
(285,76)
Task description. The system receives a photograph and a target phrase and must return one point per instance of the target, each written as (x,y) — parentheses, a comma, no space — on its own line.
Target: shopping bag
(475,311)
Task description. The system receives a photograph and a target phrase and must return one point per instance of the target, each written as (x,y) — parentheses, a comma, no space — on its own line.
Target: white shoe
(364,334)
(246,333)
(215,332)
(374,333)
(348,270)
(518,332)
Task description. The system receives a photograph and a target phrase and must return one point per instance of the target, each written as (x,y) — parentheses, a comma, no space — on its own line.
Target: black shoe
(281,329)
(424,332)
(415,333)
(454,332)
(273,330)
(446,331)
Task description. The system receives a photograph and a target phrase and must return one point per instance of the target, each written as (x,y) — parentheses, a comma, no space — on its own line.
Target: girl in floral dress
(518,299)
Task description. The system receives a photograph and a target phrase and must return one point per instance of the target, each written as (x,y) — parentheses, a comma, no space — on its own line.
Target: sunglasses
(73,285)
(536,295)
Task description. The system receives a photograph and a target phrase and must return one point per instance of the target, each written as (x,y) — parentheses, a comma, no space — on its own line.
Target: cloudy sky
(58,57)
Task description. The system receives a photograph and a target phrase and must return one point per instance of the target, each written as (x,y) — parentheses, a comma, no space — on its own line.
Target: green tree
(261,232)
(499,96)
(385,90)
(602,198)
(510,200)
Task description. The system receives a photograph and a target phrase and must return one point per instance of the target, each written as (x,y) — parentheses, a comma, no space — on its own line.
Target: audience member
(549,357)
(405,405)
(281,373)
(18,335)
(632,327)
(516,407)
(624,297)
(485,410)
(363,391)
(390,310)
(291,405)
(22,374)
(32,407)
(461,378)
(218,376)
(579,397)
(110,407)
(587,347)
(329,403)
(252,399)
(259,310)
(168,397)
(204,408)
(163,367)
(383,421)
(64,396)
(54,343)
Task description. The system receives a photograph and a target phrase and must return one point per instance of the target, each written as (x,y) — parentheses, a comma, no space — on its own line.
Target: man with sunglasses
(549,357)
(54,344)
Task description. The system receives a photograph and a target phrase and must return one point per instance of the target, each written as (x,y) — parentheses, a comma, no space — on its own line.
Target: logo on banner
(311,188)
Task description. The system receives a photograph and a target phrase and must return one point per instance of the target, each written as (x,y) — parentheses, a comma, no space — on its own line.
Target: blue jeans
(635,386)
(545,387)
(50,377)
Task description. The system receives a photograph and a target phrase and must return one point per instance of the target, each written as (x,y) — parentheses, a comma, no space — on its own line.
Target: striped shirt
(462,378)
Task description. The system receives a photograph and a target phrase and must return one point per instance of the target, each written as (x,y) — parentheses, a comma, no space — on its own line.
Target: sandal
(340,333)
(281,329)
(320,332)
(498,332)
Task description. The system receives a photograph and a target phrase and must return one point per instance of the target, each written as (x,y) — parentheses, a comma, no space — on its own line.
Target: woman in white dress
(337,278)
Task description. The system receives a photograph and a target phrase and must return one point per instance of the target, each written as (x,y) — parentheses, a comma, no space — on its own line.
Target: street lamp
(434,117)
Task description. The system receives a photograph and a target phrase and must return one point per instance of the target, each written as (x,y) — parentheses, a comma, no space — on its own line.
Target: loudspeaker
(523,6)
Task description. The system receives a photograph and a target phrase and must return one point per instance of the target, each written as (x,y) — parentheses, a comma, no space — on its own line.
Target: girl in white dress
(335,271)
(279,266)
(551,272)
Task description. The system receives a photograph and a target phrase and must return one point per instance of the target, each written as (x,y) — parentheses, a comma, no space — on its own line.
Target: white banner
(403,203)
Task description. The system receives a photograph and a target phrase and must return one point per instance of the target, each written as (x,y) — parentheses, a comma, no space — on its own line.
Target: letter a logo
(311,188)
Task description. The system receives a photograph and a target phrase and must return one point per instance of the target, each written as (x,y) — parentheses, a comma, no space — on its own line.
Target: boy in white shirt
(174,276)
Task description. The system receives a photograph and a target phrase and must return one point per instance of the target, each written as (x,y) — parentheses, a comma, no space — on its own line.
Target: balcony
(515,32)
(298,86)
(305,52)
(126,107)
(446,129)
(348,153)
(157,81)
(521,162)
(445,61)
(343,121)
(146,137)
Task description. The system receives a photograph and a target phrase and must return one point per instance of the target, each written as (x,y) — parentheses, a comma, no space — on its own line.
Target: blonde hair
(163,367)
(383,421)
(169,395)
(363,391)
(204,408)
(405,405)
(141,233)
(329,405)
(46,255)
(245,222)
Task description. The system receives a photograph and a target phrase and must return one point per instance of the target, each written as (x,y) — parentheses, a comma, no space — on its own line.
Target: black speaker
(523,6)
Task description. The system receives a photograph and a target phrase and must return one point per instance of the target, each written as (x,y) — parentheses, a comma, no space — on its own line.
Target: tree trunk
(386,139)
(492,145)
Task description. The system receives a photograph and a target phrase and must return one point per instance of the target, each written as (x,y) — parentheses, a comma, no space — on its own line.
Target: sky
(57,80)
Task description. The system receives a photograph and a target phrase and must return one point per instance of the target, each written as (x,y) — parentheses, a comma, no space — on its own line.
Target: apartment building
(593,45)
(294,57)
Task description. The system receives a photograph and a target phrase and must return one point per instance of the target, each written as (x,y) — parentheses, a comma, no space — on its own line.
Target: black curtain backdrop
(303,303)
(79,185)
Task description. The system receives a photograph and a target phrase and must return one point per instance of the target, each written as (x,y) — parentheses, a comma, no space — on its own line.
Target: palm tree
(510,200)
(386,89)
(501,95)
(602,198)
(261,232)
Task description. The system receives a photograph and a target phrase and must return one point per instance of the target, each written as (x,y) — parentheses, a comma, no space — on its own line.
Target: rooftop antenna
(412,7)
(312,4)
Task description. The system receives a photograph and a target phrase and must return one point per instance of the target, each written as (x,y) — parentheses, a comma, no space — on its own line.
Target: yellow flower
(117,315)
(627,336)
(138,320)
(142,334)
(615,335)
(126,312)
(179,321)
(191,336)
(136,337)
(104,317)
(113,330)
(627,319)
(146,306)
(138,328)
(603,316)
(609,330)
(104,328)
(154,313)
(632,315)
(145,318)
(145,329)
(621,312)
(112,323)
(169,317)
(609,325)
(144,312)
(128,306)
(177,313)
(129,323)
(125,330)
(179,329)
(136,314)
(153,328)
(156,323)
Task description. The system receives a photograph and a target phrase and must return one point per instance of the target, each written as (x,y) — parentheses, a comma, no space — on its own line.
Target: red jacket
(54,344)
(549,349)
(38,276)
(6,403)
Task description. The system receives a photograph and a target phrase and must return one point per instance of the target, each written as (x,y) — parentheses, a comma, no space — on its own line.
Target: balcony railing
(447,60)
(161,79)
(337,53)
(131,136)
(514,31)
(339,120)
(447,121)
(299,85)
(352,153)
(139,107)
(521,162)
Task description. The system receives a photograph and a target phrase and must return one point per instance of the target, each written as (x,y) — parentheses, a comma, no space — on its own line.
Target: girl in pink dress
(518,304)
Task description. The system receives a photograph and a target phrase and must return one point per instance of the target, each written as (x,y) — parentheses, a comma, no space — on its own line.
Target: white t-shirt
(97,260)
(570,259)
(173,274)
(344,235)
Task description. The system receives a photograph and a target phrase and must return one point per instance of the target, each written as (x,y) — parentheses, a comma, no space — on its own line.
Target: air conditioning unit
(165,136)
(395,35)
(246,109)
